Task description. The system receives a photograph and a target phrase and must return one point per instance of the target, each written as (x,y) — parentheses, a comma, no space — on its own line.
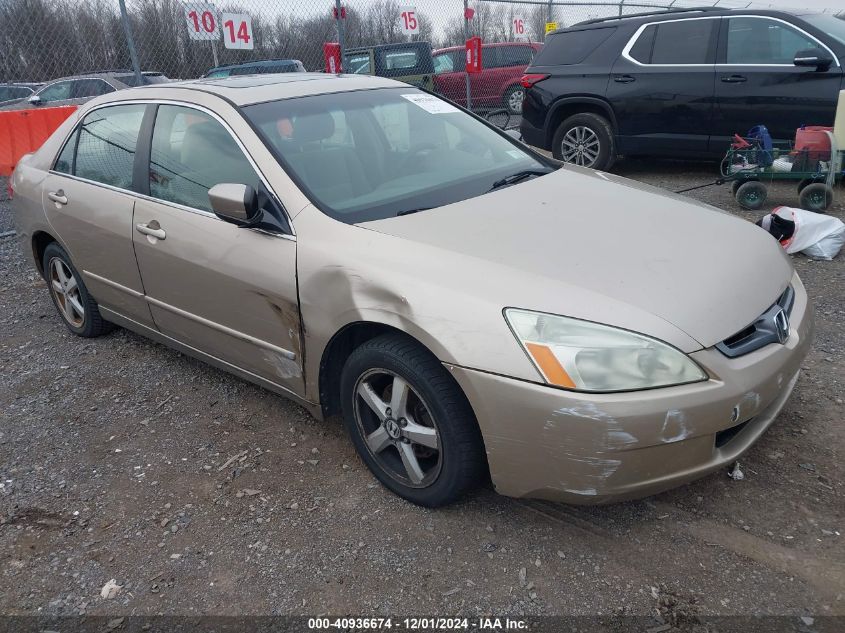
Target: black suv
(680,83)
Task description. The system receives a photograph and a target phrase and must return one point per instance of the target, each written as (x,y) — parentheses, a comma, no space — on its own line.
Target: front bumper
(581,448)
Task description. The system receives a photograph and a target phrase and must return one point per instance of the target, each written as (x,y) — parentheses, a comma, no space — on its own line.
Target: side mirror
(35,100)
(235,203)
(813,58)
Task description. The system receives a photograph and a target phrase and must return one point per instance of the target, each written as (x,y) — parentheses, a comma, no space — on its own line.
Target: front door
(758,83)
(224,290)
(88,199)
(661,88)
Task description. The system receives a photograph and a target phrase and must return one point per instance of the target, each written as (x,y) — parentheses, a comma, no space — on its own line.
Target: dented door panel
(225,290)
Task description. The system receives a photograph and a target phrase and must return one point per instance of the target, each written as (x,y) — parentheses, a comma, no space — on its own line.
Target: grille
(768,328)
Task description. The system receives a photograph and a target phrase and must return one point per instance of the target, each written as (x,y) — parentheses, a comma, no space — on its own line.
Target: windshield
(834,27)
(374,154)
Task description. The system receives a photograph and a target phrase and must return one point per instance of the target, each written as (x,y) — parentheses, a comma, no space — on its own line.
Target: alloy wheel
(398,428)
(580,146)
(65,289)
(515,101)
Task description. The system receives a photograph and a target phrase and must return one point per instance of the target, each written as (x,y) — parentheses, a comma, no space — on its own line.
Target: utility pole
(339,17)
(130,43)
(466,37)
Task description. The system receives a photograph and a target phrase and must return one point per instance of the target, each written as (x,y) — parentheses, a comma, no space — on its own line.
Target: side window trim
(143,151)
(723,42)
(626,52)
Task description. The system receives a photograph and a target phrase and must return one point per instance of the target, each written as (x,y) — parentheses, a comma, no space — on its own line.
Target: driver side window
(192,152)
(58,91)
(763,41)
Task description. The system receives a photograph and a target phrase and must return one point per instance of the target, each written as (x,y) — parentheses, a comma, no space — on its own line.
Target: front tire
(410,422)
(751,195)
(75,305)
(585,139)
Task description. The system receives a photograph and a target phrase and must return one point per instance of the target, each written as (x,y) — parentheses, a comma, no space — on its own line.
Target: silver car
(79,89)
(471,308)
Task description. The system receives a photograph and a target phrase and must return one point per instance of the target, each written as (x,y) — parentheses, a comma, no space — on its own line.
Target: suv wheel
(513,99)
(77,308)
(410,422)
(585,139)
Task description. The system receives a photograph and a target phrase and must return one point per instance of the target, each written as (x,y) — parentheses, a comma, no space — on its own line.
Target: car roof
(676,14)
(260,62)
(248,89)
(102,74)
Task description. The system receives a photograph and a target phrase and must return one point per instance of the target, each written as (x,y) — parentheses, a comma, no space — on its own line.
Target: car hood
(595,246)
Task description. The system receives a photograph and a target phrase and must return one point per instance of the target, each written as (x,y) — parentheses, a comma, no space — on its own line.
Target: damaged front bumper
(582,448)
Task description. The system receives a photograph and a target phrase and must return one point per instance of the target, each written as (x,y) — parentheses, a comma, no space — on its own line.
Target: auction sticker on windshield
(430,103)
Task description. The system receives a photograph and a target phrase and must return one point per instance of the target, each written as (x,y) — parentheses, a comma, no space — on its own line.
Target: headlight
(586,356)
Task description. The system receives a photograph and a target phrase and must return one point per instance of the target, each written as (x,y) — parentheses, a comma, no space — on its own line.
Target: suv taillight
(529,80)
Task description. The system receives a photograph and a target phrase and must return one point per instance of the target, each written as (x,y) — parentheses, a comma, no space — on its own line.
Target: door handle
(734,79)
(57,196)
(153,231)
(624,79)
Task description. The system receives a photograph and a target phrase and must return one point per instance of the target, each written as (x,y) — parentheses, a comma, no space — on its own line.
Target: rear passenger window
(515,55)
(571,47)
(192,152)
(641,50)
(684,42)
(64,163)
(90,88)
(105,150)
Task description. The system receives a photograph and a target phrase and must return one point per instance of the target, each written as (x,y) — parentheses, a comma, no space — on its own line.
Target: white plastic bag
(816,235)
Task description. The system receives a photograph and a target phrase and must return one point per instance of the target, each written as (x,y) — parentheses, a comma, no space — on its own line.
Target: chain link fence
(41,40)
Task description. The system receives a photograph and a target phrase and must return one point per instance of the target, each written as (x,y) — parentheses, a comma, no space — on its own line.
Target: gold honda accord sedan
(471,308)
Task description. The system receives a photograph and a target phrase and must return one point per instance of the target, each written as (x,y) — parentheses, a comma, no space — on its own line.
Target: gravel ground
(199,493)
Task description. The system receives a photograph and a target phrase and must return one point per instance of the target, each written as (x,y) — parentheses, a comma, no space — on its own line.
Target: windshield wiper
(410,211)
(515,178)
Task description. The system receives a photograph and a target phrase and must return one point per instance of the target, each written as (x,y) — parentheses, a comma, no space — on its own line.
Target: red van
(497,85)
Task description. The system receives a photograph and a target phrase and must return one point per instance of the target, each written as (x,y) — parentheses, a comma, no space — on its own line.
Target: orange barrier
(23,131)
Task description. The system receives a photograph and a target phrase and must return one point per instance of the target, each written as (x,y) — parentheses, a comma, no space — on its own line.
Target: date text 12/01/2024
(418,624)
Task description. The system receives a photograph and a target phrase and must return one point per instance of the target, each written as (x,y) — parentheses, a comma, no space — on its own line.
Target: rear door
(224,290)
(89,197)
(662,88)
(758,83)
(485,84)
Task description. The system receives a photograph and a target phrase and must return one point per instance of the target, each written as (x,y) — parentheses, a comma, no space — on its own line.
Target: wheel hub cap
(66,292)
(392,428)
(398,428)
(581,146)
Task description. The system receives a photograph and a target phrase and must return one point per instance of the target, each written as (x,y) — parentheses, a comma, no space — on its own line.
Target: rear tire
(816,197)
(585,139)
(75,305)
(513,98)
(751,195)
(804,183)
(410,422)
